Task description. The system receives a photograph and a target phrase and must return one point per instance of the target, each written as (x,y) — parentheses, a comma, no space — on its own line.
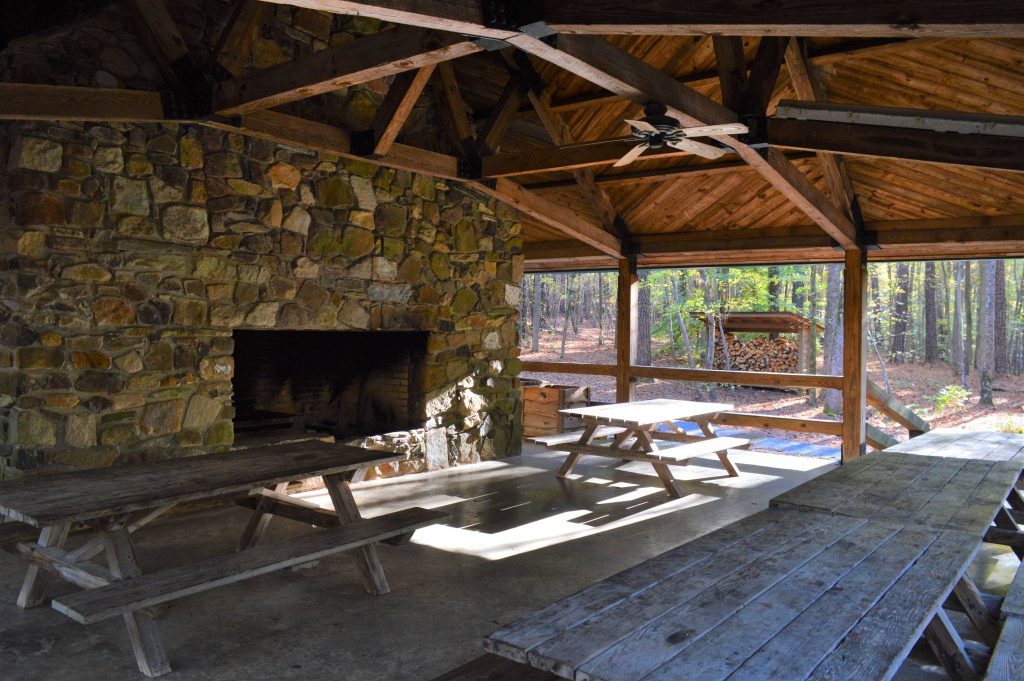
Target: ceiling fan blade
(642,126)
(710,130)
(698,148)
(630,155)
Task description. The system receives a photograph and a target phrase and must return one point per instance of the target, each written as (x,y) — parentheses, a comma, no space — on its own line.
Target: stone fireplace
(346,383)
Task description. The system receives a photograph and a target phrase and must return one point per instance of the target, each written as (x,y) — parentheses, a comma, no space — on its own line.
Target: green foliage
(1011,425)
(951,396)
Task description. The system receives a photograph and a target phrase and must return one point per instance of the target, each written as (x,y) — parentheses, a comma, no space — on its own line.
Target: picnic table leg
(374,579)
(142,630)
(574,457)
(968,595)
(708,429)
(669,480)
(1005,521)
(259,520)
(949,648)
(34,587)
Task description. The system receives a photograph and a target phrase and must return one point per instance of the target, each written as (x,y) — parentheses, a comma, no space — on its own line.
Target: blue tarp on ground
(775,444)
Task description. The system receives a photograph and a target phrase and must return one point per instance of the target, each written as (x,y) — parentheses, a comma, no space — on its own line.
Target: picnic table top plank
(800,646)
(96,493)
(881,640)
(761,619)
(515,639)
(985,445)
(560,654)
(646,649)
(647,412)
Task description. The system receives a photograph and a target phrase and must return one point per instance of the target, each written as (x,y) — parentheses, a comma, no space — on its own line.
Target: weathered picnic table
(837,581)
(116,501)
(631,431)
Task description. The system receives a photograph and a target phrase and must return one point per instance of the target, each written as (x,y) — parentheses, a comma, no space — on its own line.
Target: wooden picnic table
(961,444)
(114,502)
(633,431)
(837,580)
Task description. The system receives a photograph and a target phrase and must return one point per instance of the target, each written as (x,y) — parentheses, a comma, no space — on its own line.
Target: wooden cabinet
(542,402)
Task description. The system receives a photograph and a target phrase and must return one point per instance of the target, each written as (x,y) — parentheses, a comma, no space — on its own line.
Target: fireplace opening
(347,383)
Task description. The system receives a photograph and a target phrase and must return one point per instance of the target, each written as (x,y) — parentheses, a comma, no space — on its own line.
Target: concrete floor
(518,540)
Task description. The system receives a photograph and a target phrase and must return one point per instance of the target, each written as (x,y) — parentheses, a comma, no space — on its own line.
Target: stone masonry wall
(129,253)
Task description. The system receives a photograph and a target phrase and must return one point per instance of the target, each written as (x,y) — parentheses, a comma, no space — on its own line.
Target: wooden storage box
(542,402)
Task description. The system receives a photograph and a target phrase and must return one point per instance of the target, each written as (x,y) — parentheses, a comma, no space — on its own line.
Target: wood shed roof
(763,322)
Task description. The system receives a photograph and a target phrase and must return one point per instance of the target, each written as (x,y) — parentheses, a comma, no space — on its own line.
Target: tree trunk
(812,344)
(687,346)
(535,321)
(968,315)
(957,357)
(931,324)
(1002,355)
(986,330)
(567,315)
(900,312)
(833,345)
(643,320)
(600,309)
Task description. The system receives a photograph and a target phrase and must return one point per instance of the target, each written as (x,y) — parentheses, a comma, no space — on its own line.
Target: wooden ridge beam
(939,18)
(377,56)
(929,146)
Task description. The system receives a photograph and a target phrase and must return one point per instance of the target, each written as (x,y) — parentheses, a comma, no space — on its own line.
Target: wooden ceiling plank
(236,40)
(377,56)
(938,18)
(398,103)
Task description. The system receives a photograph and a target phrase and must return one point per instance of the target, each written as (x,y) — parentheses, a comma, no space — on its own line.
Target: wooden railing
(876,397)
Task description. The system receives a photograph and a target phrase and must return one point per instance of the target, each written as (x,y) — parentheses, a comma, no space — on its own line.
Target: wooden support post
(374,579)
(625,330)
(149,649)
(854,356)
(259,519)
(33,588)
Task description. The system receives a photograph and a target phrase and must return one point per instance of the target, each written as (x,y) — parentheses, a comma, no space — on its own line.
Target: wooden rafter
(384,54)
(394,110)
(494,129)
(805,81)
(455,107)
(604,64)
(560,134)
(732,69)
(943,18)
(163,37)
(235,43)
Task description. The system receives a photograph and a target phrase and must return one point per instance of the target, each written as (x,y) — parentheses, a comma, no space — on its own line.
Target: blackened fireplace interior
(347,383)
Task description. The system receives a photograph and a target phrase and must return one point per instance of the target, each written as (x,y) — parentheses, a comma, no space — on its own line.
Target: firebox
(347,383)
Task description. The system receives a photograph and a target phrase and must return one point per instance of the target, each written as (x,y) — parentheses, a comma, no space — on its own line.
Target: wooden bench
(116,501)
(121,597)
(675,454)
(1007,661)
(572,436)
(495,668)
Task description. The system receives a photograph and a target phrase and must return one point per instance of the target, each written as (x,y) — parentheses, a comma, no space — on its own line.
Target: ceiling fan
(657,129)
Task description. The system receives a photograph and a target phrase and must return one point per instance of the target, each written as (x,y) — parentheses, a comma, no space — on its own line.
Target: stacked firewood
(760,353)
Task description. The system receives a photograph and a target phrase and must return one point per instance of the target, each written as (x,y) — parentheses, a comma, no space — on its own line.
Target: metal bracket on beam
(528,74)
(524,16)
(488,44)
(868,242)
(757,135)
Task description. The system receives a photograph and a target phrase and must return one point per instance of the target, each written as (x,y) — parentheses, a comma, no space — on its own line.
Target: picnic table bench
(114,502)
(838,579)
(631,431)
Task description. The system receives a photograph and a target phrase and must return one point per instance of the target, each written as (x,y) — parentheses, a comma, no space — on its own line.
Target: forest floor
(917,385)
